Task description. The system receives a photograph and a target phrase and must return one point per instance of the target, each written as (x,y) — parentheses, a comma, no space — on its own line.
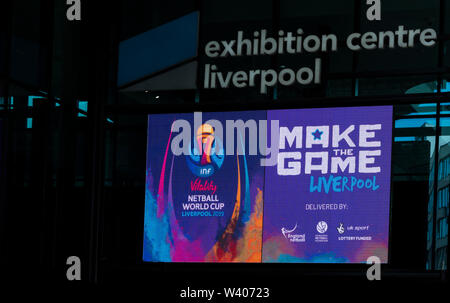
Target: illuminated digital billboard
(300,185)
(327,200)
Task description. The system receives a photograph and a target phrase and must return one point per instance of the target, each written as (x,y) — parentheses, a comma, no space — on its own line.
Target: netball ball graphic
(322,227)
(207,155)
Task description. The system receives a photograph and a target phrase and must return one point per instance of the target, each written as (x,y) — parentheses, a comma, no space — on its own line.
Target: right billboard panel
(327,199)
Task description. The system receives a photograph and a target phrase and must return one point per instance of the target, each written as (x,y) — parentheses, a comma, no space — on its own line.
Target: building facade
(75,95)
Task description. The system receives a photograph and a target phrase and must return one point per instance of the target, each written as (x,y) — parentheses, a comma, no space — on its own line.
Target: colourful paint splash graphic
(165,241)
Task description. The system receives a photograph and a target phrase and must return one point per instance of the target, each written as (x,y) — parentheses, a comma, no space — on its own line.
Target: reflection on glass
(442,207)
(413,179)
(427,87)
(408,110)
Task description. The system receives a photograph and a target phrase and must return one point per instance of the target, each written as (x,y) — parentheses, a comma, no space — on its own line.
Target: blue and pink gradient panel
(354,214)
(325,201)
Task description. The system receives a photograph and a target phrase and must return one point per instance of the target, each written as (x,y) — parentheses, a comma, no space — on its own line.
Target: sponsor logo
(322,227)
(356,229)
(321,238)
(355,238)
(288,234)
(341,228)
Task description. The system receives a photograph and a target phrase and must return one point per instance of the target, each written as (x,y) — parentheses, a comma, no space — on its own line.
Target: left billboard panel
(202,204)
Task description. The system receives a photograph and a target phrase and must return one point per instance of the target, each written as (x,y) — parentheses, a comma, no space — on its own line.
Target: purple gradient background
(285,196)
(205,230)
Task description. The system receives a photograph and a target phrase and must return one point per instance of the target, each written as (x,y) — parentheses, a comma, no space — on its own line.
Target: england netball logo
(289,234)
(207,154)
(286,231)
